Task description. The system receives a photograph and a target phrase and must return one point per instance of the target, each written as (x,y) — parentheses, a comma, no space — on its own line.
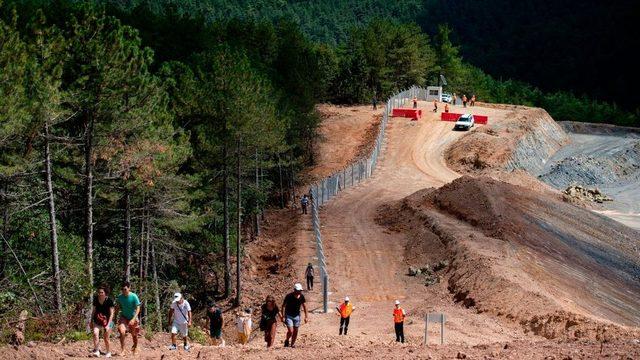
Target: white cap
(346,298)
(397,302)
(177,296)
(297,287)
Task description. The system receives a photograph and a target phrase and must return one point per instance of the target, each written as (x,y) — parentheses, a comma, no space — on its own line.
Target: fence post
(426,329)
(325,293)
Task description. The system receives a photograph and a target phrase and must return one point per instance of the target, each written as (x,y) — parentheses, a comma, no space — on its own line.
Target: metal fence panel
(322,191)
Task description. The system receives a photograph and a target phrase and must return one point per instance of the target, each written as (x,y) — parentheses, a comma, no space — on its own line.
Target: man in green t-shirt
(129,306)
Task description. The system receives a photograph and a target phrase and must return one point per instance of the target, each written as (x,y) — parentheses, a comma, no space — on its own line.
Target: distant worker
(435,105)
(454,98)
(415,102)
(291,314)
(464,100)
(309,273)
(374,101)
(473,100)
(398,321)
(446,107)
(344,310)
(243,326)
(304,202)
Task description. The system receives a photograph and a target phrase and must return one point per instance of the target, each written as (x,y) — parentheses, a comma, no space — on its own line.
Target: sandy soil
(346,133)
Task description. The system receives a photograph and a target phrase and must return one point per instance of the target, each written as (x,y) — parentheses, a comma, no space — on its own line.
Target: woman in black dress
(269,320)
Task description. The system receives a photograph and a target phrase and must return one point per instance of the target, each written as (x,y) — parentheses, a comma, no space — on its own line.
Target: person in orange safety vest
(344,310)
(398,320)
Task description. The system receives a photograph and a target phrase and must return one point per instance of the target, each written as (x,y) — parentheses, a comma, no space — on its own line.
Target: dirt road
(366,261)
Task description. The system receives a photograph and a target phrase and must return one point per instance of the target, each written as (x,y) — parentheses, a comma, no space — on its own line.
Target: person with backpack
(398,321)
(214,316)
(344,310)
(243,326)
(290,313)
(180,312)
(269,320)
(128,304)
(304,202)
(309,274)
(102,319)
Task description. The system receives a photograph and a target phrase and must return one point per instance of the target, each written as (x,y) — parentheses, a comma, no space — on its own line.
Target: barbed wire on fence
(323,190)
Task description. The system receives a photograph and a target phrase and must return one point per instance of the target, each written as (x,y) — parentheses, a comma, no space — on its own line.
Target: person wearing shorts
(214,315)
(102,319)
(180,312)
(291,313)
(128,304)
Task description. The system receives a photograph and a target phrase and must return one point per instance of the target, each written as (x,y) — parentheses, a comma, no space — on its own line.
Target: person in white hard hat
(344,310)
(180,312)
(291,313)
(398,321)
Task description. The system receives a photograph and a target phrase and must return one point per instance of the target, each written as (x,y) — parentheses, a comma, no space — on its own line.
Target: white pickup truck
(465,122)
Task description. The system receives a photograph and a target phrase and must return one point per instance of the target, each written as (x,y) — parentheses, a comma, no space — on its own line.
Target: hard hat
(297,287)
(397,302)
(346,298)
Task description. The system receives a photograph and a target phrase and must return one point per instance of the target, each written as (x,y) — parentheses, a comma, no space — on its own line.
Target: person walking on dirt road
(304,202)
(464,100)
(435,105)
(214,316)
(455,98)
(344,310)
(415,102)
(374,102)
(269,320)
(128,304)
(180,312)
(102,319)
(398,321)
(446,107)
(291,314)
(473,100)
(309,273)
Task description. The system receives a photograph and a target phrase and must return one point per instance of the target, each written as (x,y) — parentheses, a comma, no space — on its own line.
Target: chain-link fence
(325,189)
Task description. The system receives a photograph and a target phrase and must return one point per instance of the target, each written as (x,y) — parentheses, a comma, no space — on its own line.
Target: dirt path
(366,262)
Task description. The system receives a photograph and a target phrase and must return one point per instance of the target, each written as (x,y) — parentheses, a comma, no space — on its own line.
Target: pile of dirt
(579,193)
(524,140)
(557,270)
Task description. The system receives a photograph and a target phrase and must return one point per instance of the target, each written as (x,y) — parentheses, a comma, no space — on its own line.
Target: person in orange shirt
(435,105)
(344,310)
(398,321)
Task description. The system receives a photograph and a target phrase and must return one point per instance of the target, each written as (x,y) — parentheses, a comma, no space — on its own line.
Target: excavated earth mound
(524,140)
(558,270)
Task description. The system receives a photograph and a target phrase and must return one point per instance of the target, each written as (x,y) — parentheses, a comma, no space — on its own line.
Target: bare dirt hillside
(558,270)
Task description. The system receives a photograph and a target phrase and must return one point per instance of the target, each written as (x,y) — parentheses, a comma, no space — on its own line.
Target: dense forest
(143,142)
